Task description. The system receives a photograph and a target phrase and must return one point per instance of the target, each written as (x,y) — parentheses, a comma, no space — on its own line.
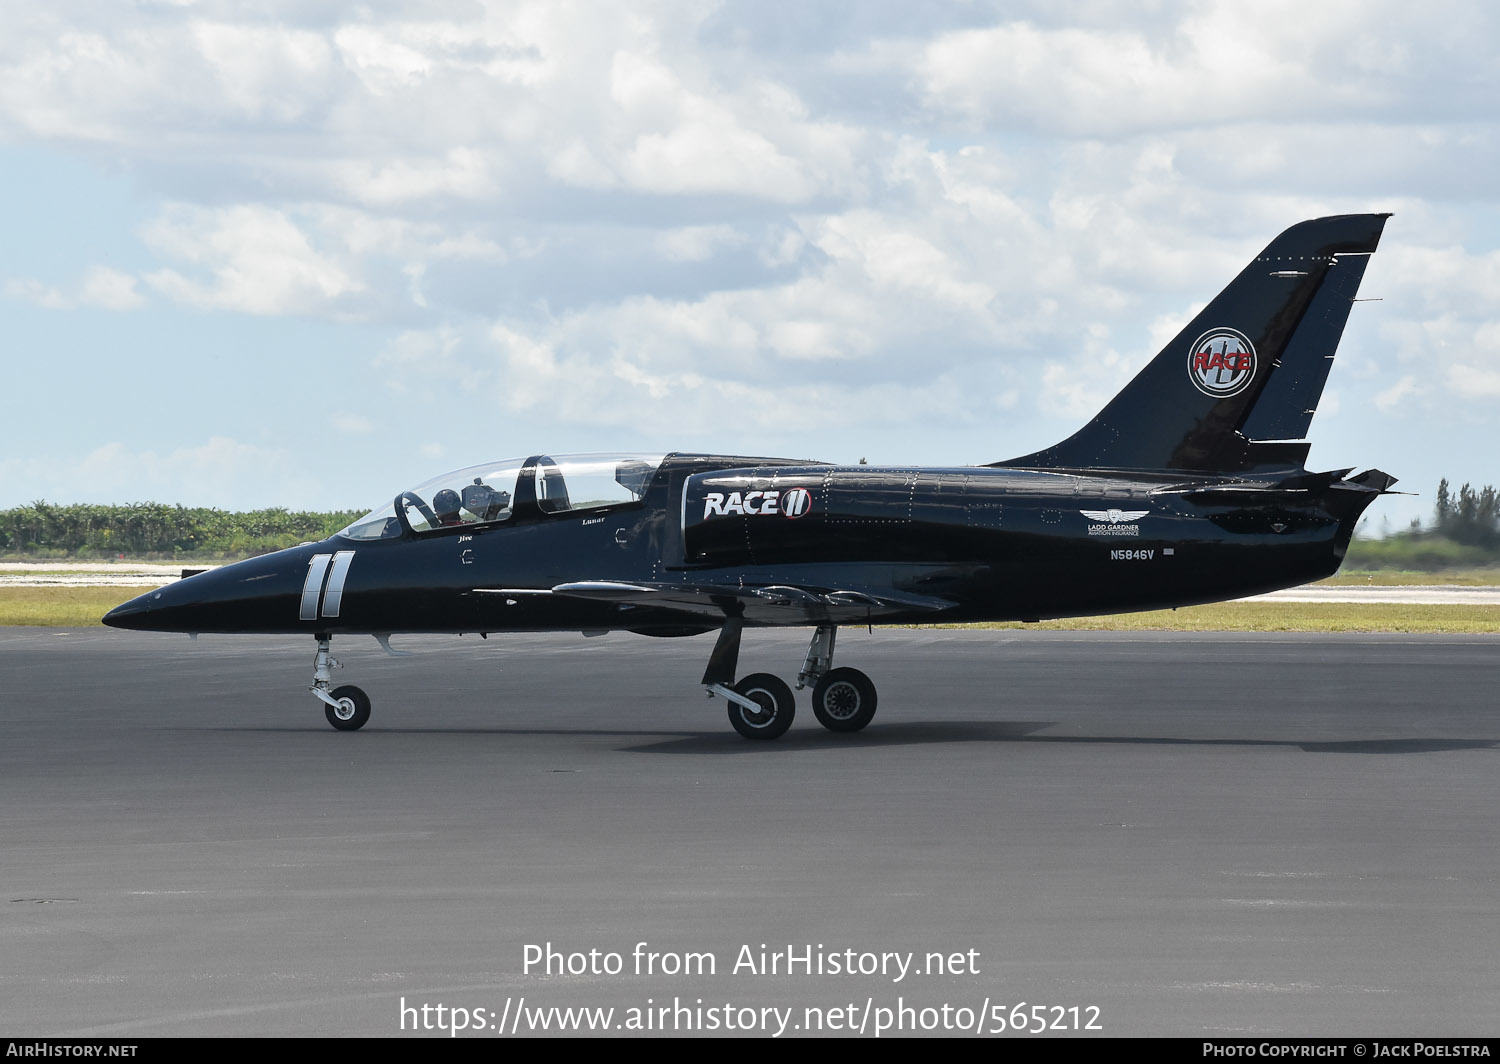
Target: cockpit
(511,490)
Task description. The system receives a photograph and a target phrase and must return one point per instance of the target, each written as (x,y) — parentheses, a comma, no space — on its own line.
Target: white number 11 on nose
(313,587)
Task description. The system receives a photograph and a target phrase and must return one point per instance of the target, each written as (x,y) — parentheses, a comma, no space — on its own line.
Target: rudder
(1236,389)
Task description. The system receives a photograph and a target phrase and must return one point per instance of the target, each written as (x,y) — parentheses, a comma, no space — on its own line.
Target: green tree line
(1465,531)
(45,529)
(1470,517)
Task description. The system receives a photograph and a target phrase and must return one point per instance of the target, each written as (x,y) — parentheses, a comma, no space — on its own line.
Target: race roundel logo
(1222,363)
(796,501)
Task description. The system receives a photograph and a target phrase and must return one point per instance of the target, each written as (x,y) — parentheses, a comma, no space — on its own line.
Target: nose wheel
(347,708)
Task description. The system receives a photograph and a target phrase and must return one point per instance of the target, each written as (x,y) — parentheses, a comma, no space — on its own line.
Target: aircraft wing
(775,604)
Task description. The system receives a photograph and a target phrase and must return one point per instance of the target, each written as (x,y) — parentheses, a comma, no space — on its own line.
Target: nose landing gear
(347,708)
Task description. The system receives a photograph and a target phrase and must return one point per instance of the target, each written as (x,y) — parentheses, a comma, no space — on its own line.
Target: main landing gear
(347,708)
(761,706)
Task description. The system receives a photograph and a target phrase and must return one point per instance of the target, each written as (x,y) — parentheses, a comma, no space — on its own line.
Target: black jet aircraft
(1188,487)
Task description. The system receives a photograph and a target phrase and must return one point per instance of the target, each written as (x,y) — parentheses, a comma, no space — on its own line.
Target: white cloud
(855,338)
(274,72)
(358,236)
(575,163)
(1471,381)
(1078,388)
(100,286)
(110,289)
(696,243)
(462,173)
(672,138)
(258,260)
(36,293)
(383,62)
(220,471)
(1438,313)
(105,77)
(1214,62)
(898,261)
(406,104)
(612,217)
(1393,396)
(355,424)
(431,364)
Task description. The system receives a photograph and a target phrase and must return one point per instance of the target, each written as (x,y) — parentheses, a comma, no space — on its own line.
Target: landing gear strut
(761,706)
(843,699)
(347,708)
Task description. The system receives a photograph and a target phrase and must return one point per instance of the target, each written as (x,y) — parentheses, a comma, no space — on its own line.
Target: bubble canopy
(511,489)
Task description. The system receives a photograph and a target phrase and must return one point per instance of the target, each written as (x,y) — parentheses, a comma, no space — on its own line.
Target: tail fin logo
(1222,362)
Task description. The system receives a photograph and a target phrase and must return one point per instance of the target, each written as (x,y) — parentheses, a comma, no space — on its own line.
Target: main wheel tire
(777,707)
(352,711)
(844,700)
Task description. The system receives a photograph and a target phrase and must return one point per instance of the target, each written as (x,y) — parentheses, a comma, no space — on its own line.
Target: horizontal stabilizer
(1375,480)
(1275,489)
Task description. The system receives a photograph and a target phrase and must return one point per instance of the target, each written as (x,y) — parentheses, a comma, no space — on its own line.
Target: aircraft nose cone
(131,614)
(257,595)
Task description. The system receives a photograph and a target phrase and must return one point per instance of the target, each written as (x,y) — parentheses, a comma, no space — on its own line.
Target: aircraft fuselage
(993,544)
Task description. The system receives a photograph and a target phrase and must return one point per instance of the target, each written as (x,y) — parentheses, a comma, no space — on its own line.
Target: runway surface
(1416,594)
(1196,834)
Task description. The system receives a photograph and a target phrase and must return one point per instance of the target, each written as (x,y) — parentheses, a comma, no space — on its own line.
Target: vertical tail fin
(1244,377)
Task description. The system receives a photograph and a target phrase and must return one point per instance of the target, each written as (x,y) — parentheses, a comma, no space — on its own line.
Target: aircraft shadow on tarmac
(1023,732)
(716,742)
(920,732)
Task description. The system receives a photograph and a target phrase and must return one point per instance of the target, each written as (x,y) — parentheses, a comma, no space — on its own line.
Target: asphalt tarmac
(1164,834)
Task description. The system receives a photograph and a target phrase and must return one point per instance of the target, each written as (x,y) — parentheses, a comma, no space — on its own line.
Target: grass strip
(1487,577)
(62,607)
(1285,617)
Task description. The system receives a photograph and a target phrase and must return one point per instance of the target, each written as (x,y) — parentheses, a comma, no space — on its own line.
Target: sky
(309,253)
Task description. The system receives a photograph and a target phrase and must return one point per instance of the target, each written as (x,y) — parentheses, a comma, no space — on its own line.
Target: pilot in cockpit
(445,505)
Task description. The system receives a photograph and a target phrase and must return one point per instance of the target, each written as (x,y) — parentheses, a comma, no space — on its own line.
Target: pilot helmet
(446,501)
